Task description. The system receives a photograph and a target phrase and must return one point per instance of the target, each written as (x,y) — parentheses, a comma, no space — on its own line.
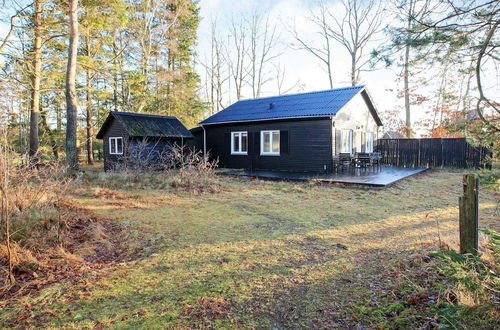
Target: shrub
(191,172)
(178,167)
(475,283)
(34,210)
(490,178)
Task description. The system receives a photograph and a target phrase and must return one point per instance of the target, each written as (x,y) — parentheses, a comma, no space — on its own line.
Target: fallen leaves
(207,308)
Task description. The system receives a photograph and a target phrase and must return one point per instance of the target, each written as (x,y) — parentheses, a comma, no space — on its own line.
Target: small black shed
(125,132)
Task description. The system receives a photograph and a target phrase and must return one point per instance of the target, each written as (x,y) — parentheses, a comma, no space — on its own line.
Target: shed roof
(313,104)
(145,125)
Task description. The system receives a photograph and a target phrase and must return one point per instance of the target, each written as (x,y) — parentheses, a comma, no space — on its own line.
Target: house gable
(360,118)
(358,112)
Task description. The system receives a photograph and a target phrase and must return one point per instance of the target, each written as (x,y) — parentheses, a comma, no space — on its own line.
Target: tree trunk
(35,89)
(115,78)
(71,96)
(88,117)
(406,77)
(406,71)
(328,60)
(353,69)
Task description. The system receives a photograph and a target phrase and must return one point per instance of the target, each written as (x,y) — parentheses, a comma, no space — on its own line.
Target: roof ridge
(141,114)
(304,93)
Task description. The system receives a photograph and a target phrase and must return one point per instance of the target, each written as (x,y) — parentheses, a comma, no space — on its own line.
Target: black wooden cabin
(140,138)
(300,132)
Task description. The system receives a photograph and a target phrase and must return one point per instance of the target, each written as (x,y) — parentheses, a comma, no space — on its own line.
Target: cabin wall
(115,129)
(306,145)
(153,153)
(138,152)
(357,117)
(197,141)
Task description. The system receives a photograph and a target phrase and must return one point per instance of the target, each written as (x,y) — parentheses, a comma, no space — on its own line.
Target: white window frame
(270,152)
(116,139)
(349,144)
(370,139)
(240,138)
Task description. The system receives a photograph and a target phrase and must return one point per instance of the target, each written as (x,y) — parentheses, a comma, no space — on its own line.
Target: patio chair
(336,163)
(345,159)
(362,159)
(375,158)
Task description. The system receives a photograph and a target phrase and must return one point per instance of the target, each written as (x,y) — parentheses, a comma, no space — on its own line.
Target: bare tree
(215,70)
(358,22)
(324,52)
(280,81)
(12,26)
(237,63)
(71,96)
(263,41)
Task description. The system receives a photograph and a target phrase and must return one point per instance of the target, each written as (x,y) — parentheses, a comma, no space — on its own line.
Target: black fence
(432,152)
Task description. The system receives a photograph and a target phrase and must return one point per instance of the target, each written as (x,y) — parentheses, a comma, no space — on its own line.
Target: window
(116,146)
(369,142)
(270,143)
(239,143)
(346,141)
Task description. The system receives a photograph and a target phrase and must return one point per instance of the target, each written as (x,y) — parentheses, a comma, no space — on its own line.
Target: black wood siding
(148,150)
(197,141)
(306,145)
(115,129)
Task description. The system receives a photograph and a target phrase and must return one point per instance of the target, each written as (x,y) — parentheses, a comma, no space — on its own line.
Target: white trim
(239,134)
(269,153)
(349,141)
(116,139)
(369,141)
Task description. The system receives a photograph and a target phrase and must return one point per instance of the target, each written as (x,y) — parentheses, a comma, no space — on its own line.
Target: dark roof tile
(313,104)
(145,125)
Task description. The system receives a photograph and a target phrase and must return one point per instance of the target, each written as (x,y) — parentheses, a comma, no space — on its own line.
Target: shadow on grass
(276,258)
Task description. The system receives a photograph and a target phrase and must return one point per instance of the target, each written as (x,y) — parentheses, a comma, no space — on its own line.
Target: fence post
(468,215)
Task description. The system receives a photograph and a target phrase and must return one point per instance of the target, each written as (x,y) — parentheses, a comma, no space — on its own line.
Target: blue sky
(299,64)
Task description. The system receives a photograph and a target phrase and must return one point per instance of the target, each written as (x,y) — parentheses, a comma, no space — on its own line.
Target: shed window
(270,143)
(116,146)
(239,143)
(346,141)
(369,142)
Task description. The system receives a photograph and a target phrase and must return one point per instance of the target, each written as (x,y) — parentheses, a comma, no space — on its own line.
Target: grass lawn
(262,254)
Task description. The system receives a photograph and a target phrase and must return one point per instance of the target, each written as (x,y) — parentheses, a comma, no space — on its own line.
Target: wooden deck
(378,176)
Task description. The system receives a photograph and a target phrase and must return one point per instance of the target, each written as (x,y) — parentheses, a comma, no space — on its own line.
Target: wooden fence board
(432,152)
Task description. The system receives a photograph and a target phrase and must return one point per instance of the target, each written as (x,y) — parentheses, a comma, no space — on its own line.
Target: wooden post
(468,215)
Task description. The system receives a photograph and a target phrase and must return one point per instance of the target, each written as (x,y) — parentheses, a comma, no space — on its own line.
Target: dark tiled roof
(313,104)
(144,125)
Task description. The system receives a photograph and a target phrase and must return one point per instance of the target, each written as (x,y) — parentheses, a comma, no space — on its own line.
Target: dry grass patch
(264,254)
